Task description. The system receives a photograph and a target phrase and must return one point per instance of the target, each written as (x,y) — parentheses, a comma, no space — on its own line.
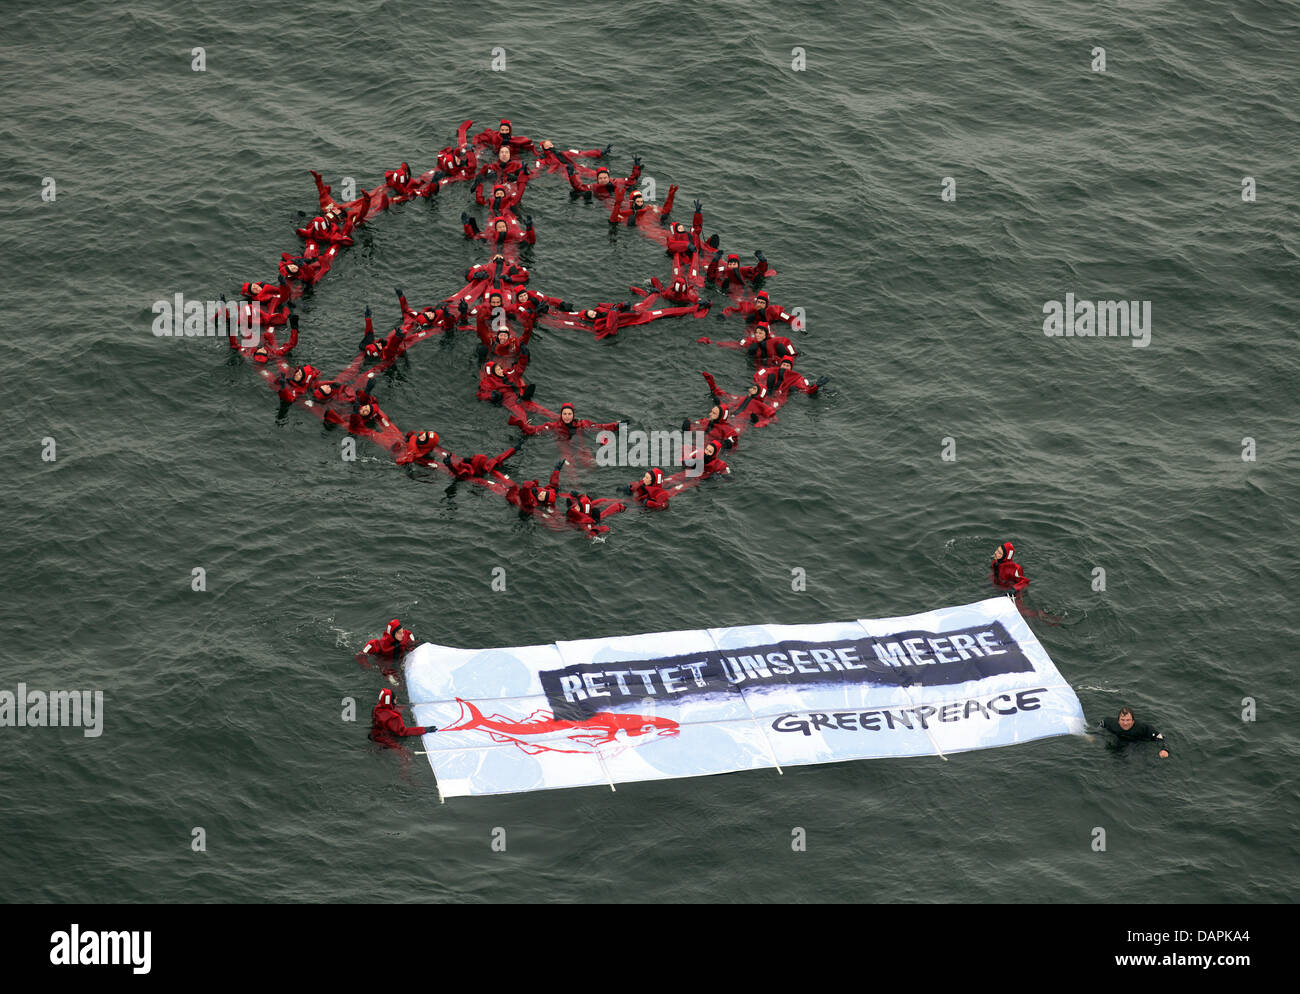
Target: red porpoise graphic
(589,734)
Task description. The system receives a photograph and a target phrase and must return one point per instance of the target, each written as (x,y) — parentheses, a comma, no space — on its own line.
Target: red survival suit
(532,495)
(561,427)
(782,380)
(477,465)
(609,187)
(401,182)
(504,135)
(457,163)
(268,349)
(1006,572)
(419,446)
(499,385)
(759,309)
(587,513)
(652,494)
(752,404)
(713,462)
(296,384)
(395,637)
(732,274)
(386,725)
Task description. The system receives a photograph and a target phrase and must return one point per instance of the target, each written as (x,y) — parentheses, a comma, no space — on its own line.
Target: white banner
(718,700)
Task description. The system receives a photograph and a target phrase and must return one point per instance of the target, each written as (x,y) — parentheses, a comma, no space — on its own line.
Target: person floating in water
(534,498)
(1127,729)
(395,641)
(587,513)
(497,271)
(418,448)
(650,491)
(603,186)
(391,646)
(763,347)
(502,199)
(638,207)
(717,426)
(566,425)
(503,137)
(781,380)
(297,383)
(501,385)
(478,465)
(504,169)
(401,182)
(731,275)
(387,727)
(713,462)
(1006,572)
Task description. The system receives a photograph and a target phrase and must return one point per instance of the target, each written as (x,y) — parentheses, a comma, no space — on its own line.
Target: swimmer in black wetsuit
(1126,729)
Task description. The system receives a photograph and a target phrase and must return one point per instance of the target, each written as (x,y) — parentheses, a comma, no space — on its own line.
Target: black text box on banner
(899,659)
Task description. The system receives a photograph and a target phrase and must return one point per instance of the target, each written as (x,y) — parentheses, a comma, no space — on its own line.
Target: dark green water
(222,707)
